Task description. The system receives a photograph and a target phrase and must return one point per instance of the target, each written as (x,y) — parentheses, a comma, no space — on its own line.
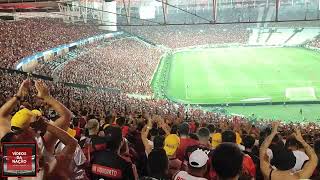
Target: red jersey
(184,144)
(248,166)
(192,127)
(125,131)
(78,132)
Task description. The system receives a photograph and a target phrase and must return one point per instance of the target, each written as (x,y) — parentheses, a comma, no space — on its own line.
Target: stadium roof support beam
(214,11)
(277,10)
(86,12)
(115,13)
(200,17)
(318,14)
(127,9)
(164,10)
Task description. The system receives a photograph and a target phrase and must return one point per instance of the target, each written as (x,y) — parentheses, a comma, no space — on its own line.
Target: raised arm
(8,107)
(310,166)
(162,124)
(69,142)
(264,161)
(60,165)
(144,135)
(65,114)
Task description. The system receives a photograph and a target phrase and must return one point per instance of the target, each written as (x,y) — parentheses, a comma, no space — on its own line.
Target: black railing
(76,85)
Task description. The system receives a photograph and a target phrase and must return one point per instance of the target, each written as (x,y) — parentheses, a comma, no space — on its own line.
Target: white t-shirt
(241,147)
(269,154)
(78,157)
(183,175)
(301,157)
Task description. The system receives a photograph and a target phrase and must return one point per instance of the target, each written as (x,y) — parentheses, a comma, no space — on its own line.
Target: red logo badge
(19,160)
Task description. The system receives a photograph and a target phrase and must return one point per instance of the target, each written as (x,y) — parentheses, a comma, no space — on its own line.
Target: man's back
(109,165)
(184,143)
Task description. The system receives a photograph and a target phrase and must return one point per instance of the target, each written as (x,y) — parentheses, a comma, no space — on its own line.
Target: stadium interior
(170,74)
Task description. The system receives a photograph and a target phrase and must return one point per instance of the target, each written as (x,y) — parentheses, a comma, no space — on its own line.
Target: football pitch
(243,75)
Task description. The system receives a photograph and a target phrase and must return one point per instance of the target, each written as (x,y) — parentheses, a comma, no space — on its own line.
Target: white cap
(198,158)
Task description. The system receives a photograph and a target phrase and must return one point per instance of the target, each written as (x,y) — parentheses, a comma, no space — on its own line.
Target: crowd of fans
(25,37)
(123,138)
(126,64)
(315,43)
(50,68)
(201,34)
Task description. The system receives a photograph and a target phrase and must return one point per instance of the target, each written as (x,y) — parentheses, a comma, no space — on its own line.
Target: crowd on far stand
(315,43)
(197,35)
(25,37)
(125,64)
(120,63)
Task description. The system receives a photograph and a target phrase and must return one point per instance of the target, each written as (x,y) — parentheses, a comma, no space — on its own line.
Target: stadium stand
(98,66)
(117,117)
(100,134)
(316,42)
(131,61)
(201,35)
(27,36)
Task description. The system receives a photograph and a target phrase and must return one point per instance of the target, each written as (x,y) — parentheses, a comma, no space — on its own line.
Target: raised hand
(275,125)
(146,115)
(42,88)
(297,135)
(24,88)
(158,119)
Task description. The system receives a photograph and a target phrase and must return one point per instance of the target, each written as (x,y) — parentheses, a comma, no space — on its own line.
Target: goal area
(300,94)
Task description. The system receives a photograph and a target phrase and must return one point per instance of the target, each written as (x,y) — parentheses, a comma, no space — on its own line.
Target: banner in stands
(28,63)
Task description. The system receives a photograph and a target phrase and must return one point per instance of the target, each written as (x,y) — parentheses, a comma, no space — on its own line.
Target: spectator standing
(285,173)
(301,157)
(157,165)
(227,161)
(204,137)
(248,167)
(197,167)
(171,144)
(107,164)
(185,141)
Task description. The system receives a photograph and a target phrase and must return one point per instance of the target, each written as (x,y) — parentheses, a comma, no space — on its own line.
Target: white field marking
(256,99)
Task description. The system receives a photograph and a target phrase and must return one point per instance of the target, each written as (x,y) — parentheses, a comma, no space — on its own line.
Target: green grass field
(234,75)
(246,74)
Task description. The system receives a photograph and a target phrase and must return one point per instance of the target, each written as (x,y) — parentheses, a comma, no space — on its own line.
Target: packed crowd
(92,134)
(197,35)
(315,43)
(49,68)
(128,64)
(125,64)
(25,37)
(97,135)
